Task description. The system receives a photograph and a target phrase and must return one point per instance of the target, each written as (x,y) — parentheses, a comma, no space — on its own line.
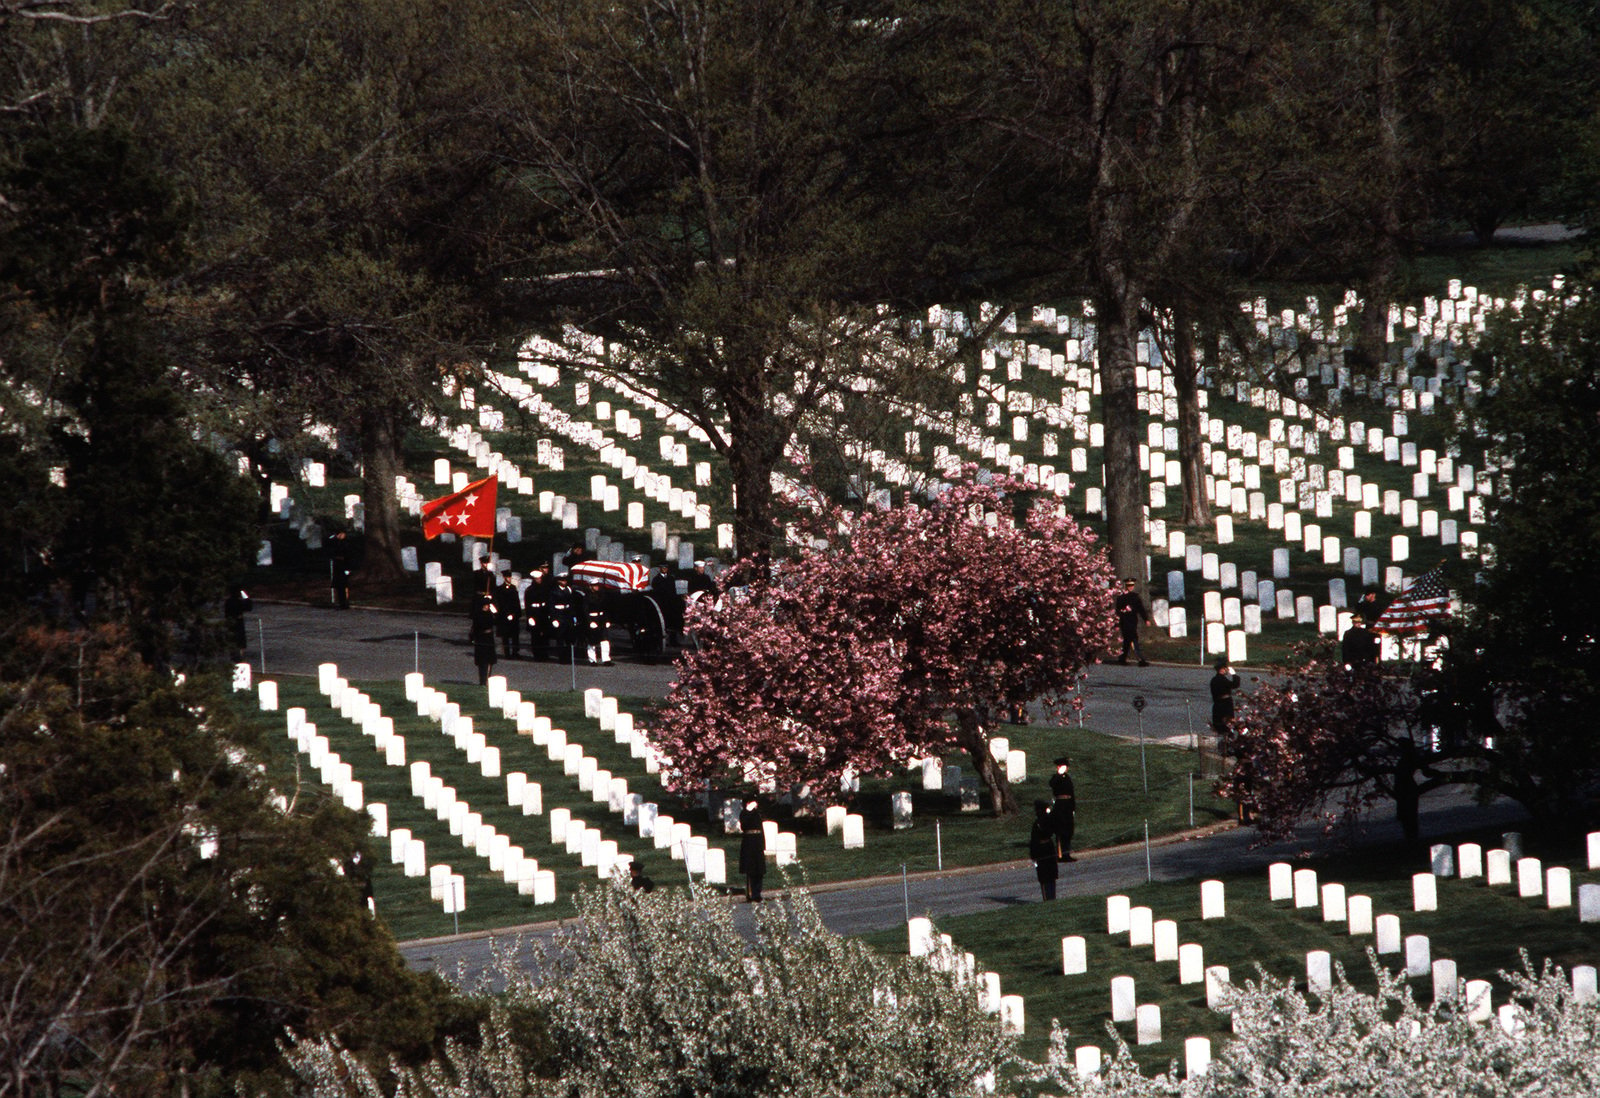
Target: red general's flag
(469,512)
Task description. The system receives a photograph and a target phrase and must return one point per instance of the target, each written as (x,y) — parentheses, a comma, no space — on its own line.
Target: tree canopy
(166,921)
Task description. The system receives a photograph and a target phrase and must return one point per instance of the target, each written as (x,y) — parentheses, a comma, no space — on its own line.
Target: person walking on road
(1223,684)
(1063,808)
(1131,611)
(1042,849)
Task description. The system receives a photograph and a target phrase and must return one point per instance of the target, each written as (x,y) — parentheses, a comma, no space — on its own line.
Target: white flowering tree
(660,994)
(1350,1042)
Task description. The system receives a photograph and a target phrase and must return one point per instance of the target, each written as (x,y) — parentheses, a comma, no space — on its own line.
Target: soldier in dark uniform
(664,589)
(339,569)
(481,633)
(1359,647)
(752,849)
(1368,608)
(359,874)
(1063,809)
(234,608)
(1042,850)
(1223,684)
(565,606)
(700,582)
(595,626)
(536,604)
(483,580)
(576,555)
(508,617)
(1130,612)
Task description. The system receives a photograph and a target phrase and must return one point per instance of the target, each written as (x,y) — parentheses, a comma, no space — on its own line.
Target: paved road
(386,644)
(860,907)
(292,639)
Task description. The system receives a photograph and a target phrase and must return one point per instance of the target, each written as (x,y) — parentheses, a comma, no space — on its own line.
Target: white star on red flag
(461,510)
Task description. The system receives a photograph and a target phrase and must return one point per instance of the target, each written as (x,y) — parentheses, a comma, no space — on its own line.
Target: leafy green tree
(337,166)
(1114,132)
(1521,83)
(1527,656)
(725,194)
(1507,707)
(164,922)
(148,522)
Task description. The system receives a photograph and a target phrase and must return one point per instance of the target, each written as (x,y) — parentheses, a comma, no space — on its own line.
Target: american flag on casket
(622,575)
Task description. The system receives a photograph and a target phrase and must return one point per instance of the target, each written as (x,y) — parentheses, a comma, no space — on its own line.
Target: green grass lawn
(1479,927)
(1113,806)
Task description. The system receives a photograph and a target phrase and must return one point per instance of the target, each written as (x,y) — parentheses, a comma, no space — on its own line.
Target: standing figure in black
(1042,849)
(481,633)
(700,582)
(536,605)
(1130,612)
(508,617)
(1359,647)
(576,555)
(664,589)
(339,569)
(483,579)
(565,606)
(637,879)
(596,629)
(752,849)
(1368,608)
(1063,808)
(234,608)
(1223,684)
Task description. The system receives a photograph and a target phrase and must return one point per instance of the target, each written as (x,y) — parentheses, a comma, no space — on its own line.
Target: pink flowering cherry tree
(1323,742)
(905,637)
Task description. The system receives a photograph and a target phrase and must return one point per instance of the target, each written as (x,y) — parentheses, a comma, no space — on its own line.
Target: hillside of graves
(490,809)
(1323,481)
(1153,964)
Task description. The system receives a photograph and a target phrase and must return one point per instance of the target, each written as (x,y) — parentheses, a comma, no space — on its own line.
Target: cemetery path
(860,907)
(293,638)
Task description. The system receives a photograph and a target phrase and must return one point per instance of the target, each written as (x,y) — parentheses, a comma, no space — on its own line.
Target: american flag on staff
(1426,600)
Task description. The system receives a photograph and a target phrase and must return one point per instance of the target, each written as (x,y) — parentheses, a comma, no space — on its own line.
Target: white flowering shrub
(1352,1043)
(660,995)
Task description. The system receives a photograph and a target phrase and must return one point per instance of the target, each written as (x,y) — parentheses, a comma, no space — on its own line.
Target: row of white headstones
(1499,867)
(1218,614)
(655,486)
(676,837)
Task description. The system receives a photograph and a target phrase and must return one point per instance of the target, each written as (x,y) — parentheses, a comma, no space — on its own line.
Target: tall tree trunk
(1117,336)
(756,436)
(1186,380)
(753,532)
(971,735)
(381,434)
